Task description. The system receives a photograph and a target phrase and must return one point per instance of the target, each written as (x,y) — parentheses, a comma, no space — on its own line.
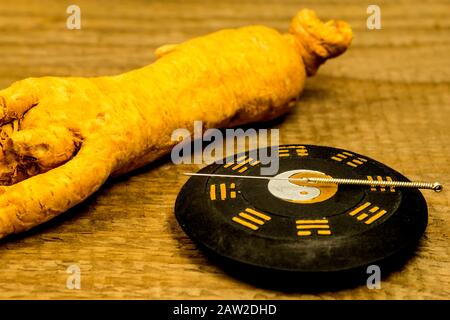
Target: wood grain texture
(387,98)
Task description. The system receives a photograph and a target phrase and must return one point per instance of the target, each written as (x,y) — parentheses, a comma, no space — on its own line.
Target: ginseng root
(61,138)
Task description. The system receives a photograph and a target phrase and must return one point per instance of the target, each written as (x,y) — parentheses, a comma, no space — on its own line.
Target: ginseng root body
(61,138)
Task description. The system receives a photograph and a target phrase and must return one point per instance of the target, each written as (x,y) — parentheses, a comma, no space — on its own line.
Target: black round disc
(284,226)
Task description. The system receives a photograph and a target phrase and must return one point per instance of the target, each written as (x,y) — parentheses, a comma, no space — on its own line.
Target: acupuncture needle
(435,186)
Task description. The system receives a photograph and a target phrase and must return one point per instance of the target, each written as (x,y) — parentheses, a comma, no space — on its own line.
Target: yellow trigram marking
(232,163)
(362,216)
(392,189)
(291,147)
(380,188)
(302,152)
(241,164)
(348,153)
(223,193)
(313,226)
(311,221)
(374,209)
(371,179)
(359,209)
(305,227)
(285,151)
(376,217)
(245,223)
(232,193)
(350,159)
(251,218)
(258,214)
(212,192)
(368,216)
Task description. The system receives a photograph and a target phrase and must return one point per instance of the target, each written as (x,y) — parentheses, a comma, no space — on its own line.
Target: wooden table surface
(388,97)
